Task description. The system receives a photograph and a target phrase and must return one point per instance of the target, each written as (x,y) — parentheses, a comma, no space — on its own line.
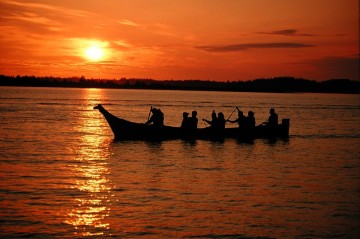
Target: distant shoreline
(270,85)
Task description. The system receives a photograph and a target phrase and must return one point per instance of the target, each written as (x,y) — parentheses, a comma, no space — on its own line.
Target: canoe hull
(127,130)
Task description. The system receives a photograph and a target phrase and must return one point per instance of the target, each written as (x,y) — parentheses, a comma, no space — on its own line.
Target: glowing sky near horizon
(180,39)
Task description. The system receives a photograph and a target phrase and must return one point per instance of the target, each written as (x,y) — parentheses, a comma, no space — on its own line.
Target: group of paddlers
(246,123)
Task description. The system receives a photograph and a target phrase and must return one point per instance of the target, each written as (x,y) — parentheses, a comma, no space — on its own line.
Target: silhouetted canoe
(127,130)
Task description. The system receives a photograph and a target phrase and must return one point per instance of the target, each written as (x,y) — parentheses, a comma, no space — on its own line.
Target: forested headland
(277,84)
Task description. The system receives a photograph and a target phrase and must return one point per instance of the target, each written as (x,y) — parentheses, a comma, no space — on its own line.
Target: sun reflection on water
(91,205)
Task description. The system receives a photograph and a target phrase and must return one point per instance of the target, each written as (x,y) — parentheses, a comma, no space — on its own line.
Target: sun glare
(94,53)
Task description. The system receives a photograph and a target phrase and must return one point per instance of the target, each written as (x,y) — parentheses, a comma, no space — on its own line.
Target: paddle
(263,123)
(232,113)
(204,123)
(149,113)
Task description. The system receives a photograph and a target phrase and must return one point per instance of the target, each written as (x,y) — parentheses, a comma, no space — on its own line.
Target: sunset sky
(180,39)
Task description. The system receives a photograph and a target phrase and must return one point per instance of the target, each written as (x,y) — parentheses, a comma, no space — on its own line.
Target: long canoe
(127,130)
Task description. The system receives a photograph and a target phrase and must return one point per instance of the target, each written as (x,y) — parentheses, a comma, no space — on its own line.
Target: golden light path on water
(91,207)
(63,176)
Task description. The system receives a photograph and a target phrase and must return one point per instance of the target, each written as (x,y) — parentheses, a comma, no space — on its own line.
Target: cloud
(38,18)
(34,18)
(338,67)
(286,32)
(120,45)
(28,6)
(247,46)
(127,22)
(104,63)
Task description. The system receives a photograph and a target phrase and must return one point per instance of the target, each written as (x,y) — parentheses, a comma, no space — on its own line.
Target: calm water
(62,176)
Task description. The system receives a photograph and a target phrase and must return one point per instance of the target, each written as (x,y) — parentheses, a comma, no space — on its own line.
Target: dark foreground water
(62,176)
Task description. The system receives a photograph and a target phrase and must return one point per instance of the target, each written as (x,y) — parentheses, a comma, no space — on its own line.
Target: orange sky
(181,39)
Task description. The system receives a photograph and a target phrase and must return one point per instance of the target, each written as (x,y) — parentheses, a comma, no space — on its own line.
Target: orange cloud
(128,23)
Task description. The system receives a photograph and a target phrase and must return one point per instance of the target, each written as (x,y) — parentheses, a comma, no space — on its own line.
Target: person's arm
(232,121)
(265,122)
(207,121)
(150,120)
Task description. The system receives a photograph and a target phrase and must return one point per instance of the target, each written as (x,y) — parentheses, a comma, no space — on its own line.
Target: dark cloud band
(287,32)
(243,47)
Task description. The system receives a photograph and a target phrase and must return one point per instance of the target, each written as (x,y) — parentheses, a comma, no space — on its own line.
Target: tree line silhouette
(277,84)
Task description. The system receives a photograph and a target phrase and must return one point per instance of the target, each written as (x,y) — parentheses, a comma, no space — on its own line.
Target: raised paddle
(232,113)
(149,113)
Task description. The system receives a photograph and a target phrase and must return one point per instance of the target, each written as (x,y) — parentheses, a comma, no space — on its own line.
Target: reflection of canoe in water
(127,130)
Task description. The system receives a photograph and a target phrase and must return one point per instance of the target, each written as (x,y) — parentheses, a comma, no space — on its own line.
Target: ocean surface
(63,176)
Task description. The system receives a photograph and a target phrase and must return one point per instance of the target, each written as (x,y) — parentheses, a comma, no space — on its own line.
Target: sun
(94,53)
